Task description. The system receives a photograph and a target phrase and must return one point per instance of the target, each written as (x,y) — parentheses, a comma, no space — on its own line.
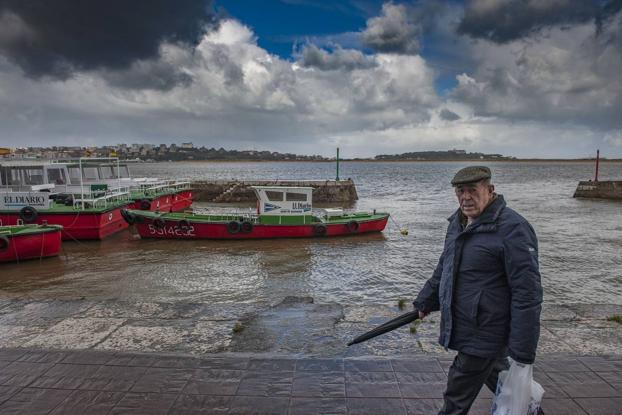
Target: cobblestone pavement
(104,382)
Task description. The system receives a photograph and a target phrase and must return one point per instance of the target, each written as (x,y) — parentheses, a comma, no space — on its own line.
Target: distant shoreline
(394,161)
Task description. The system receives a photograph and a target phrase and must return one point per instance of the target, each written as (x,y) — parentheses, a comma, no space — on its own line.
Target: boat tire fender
(4,243)
(352,226)
(159,223)
(145,204)
(246,227)
(28,214)
(128,216)
(319,229)
(138,219)
(233,226)
(184,224)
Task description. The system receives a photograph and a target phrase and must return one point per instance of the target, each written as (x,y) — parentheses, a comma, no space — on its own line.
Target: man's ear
(491,188)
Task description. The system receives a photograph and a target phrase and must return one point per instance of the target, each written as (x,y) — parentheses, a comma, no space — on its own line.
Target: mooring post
(337,179)
(597,161)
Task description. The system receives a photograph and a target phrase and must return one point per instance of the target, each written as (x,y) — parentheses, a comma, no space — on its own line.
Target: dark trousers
(466,377)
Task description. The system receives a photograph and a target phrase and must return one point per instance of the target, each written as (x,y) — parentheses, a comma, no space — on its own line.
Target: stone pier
(240,191)
(610,189)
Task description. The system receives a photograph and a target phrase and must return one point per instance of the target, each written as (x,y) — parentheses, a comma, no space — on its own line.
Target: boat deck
(17,230)
(60,208)
(265,219)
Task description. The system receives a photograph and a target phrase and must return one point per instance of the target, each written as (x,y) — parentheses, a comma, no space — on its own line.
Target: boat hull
(172,202)
(182,201)
(172,229)
(77,225)
(31,246)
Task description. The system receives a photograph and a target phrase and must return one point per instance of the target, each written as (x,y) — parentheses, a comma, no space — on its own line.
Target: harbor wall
(239,191)
(609,189)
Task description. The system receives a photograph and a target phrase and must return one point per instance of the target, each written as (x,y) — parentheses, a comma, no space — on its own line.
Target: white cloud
(570,75)
(557,95)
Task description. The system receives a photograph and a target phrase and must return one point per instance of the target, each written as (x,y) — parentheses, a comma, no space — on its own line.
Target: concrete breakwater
(240,191)
(610,189)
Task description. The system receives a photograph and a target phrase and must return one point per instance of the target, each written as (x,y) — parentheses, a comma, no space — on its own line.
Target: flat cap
(471,174)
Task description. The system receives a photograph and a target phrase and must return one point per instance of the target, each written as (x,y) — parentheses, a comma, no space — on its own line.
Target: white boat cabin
(32,183)
(32,176)
(284,201)
(61,176)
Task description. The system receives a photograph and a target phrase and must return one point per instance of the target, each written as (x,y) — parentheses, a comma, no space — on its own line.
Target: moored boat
(282,212)
(146,193)
(22,242)
(95,216)
(44,193)
(74,176)
(161,195)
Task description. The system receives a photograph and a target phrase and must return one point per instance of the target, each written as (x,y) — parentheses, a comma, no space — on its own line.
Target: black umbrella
(388,326)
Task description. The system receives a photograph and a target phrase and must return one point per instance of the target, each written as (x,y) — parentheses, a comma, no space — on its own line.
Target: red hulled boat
(22,242)
(283,212)
(45,194)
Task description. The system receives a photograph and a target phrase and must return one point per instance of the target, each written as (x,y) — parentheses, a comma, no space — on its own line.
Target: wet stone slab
(157,335)
(75,333)
(21,312)
(296,325)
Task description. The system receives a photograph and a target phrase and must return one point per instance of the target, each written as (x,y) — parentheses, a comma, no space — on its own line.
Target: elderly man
(487,287)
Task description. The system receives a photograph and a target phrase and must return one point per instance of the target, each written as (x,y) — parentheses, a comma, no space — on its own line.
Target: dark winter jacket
(487,286)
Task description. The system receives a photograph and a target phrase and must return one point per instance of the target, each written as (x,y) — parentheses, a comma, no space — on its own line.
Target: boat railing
(104,198)
(160,186)
(239,215)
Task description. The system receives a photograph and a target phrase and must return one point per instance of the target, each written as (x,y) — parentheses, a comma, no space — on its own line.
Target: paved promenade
(101,382)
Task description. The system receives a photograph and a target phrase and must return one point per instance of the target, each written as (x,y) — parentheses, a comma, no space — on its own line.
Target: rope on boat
(403,231)
(42,246)
(15,249)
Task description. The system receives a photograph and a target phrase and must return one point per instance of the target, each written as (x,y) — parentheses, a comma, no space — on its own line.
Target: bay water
(580,241)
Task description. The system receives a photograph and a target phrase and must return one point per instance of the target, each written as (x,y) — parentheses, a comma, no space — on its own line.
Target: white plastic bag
(517,393)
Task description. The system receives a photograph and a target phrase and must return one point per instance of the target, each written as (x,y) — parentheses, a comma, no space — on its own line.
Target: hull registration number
(171,231)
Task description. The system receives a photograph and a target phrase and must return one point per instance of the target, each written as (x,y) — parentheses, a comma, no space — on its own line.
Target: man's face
(474,197)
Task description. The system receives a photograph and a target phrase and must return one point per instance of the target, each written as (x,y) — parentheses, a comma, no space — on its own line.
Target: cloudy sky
(527,78)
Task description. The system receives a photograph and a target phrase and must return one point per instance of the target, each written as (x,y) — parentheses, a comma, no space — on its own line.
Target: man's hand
(422,315)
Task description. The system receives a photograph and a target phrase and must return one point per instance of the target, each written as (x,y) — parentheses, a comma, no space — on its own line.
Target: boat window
(74,174)
(296,197)
(56,176)
(274,196)
(124,171)
(106,172)
(33,175)
(90,173)
(11,176)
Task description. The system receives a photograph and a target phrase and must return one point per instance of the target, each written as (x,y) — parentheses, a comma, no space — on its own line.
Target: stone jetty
(240,191)
(610,189)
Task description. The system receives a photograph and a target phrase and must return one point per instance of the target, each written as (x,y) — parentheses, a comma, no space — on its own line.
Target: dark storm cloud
(399,27)
(313,57)
(394,31)
(57,38)
(609,10)
(508,20)
(448,115)
(150,74)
